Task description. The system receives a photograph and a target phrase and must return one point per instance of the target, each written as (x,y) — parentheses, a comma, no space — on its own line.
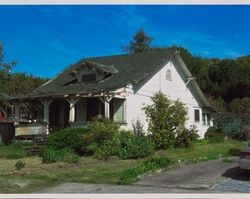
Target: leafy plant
(186,137)
(138,128)
(215,135)
(19,164)
(150,165)
(165,118)
(133,147)
(76,139)
(51,155)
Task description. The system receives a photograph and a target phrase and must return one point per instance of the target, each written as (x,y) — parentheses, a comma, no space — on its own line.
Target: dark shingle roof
(127,69)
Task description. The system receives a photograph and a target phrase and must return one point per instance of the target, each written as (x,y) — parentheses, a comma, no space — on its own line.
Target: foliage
(106,150)
(19,164)
(138,128)
(141,43)
(73,138)
(150,165)
(214,135)
(13,151)
(103,137)
(51,155)
(165,118)
(186,137)
(134,147)
(102,130)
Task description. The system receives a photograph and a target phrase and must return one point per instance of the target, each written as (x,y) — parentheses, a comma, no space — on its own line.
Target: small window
(196,115)
(168,75)
(89,77)
(208,119)
(204,118)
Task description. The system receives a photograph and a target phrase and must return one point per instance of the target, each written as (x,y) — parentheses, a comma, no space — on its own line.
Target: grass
(14,151)
(36,175)
(202,151)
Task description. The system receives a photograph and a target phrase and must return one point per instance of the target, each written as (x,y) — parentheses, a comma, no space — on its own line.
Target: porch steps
(38,145)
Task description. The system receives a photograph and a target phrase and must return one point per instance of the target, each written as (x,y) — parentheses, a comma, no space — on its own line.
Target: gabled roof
(125,69)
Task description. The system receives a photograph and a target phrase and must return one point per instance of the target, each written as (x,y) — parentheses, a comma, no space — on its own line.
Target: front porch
(53,114)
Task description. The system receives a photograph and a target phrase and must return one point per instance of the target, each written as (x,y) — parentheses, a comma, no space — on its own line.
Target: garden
(102,153)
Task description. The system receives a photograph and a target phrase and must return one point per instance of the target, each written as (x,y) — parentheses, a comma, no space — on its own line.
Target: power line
(51,28)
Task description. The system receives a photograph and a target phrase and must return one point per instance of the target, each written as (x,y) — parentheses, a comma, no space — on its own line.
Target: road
(214,176)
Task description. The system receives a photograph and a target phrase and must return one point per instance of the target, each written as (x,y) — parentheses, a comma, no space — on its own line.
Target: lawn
(36,175)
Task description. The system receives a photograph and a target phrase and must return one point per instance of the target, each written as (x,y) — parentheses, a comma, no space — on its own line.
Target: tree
(165,118)
(141,43)
(4,74)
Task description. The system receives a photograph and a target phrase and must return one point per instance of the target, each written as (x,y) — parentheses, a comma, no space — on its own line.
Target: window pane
(208,119)
(196,115)
(203,118)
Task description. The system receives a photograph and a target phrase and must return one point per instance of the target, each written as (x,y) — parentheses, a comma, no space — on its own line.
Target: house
(117,87)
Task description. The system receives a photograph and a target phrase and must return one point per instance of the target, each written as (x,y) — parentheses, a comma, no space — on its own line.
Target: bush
(134,147)
(51,155)
(138,128)
(243,134)
(73,138)
(164,117)
(215,135)
(150,165)
(19,164)
(186,137)
(13,151)
(103,137)
(102,130)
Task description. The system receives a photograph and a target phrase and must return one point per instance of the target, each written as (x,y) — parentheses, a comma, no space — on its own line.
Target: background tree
(165,118)
(141,43)
(4,74)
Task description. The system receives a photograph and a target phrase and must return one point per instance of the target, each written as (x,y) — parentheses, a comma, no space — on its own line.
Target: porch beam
(46,104)
(72,102)
(17,113)
(106,100)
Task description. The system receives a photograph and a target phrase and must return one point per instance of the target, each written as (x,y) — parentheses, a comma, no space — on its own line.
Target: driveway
(210,176)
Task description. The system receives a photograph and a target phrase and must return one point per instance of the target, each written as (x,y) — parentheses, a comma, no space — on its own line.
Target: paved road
(210,176)
(237,180)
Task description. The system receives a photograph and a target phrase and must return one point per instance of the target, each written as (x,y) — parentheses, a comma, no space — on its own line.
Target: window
(208,119)
(204,118)
(168,75)
(89,77)
(196,115)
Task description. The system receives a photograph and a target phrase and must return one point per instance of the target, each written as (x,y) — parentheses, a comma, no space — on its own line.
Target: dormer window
(168,75)
(89,77)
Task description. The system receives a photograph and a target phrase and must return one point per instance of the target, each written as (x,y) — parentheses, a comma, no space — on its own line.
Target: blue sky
(45,39)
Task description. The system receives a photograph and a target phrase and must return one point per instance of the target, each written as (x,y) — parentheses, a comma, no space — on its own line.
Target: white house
(118,87)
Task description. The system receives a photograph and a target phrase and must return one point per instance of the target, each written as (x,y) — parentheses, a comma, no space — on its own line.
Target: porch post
(72,102)
(46,104)
(17,113)
(106,102)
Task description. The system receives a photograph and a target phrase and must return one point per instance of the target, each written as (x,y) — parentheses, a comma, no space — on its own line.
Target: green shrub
(215,135)
(133,147)
(186,137)
(106,150)
(51,155)
(150,165)
(74,138)
(13,151)
(138,128)
(19,164)
(102,130)
(103,137)
(164,117)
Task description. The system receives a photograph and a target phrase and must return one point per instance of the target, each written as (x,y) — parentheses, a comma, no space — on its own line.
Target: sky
(46,39)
